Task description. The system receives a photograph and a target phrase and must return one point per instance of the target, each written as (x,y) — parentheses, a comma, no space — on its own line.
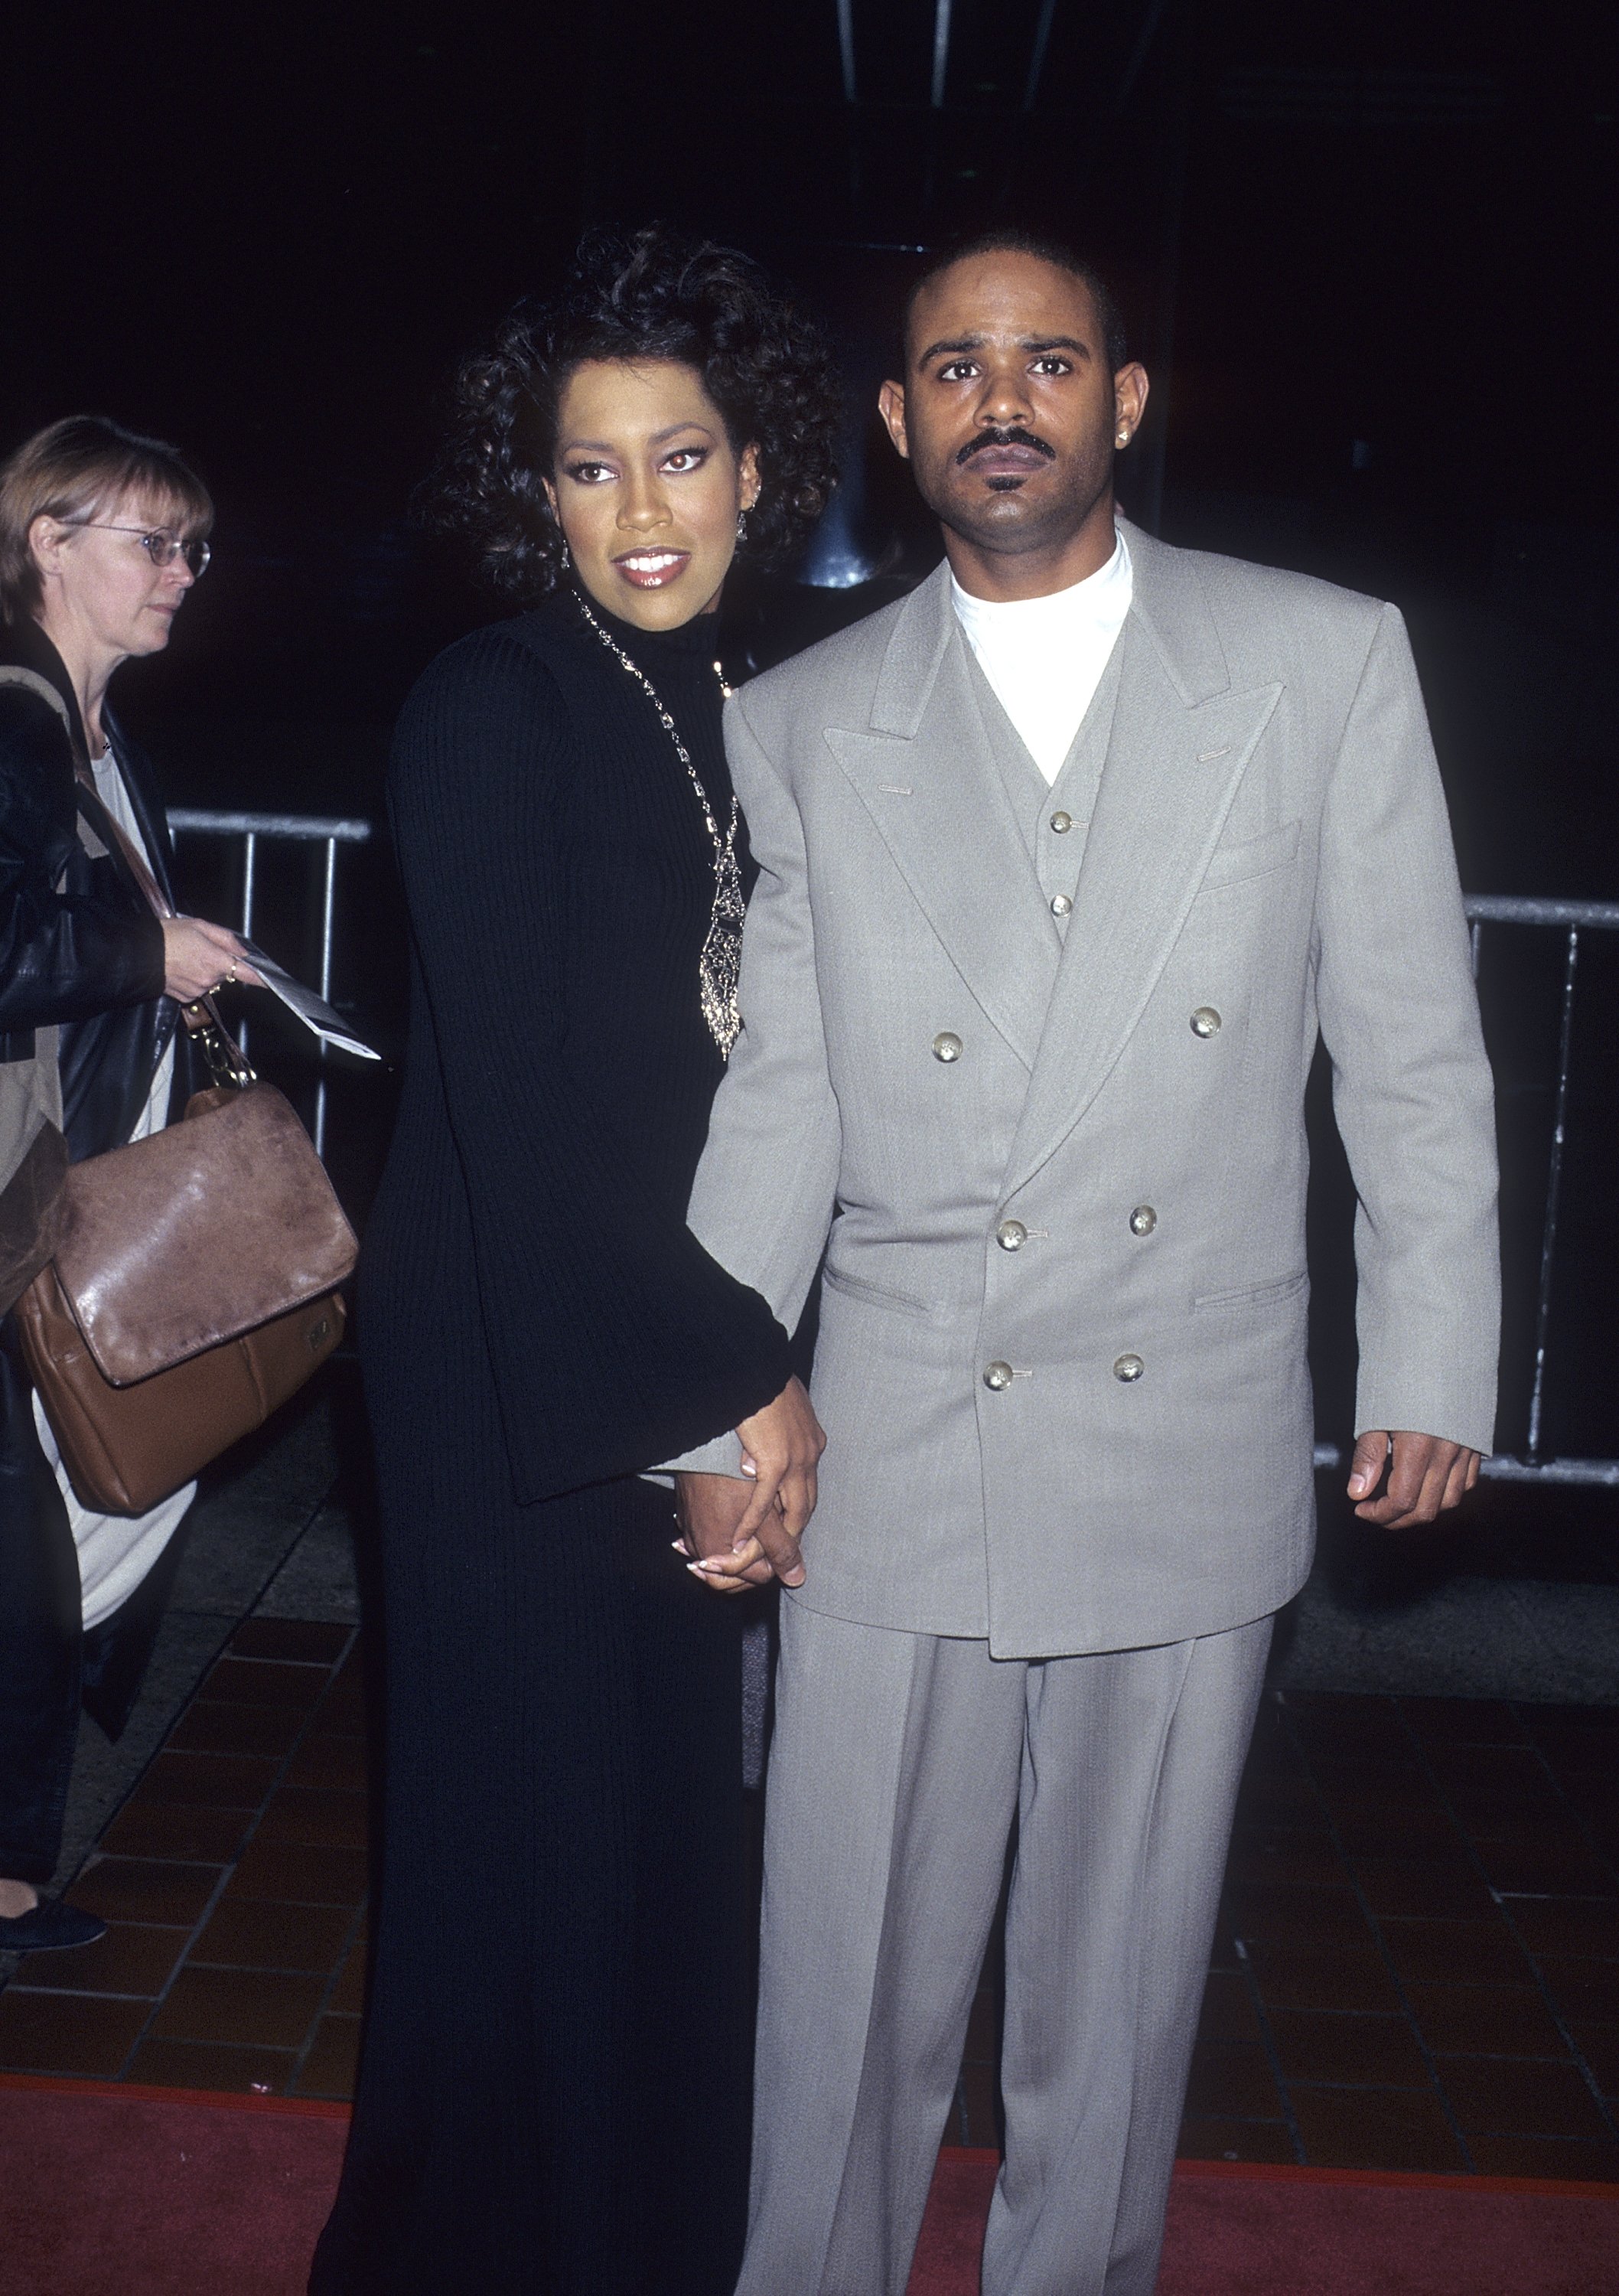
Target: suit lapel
(1180,743)
(924,773)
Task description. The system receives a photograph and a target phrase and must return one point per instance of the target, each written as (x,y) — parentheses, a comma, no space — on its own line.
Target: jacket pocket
(1251,1295)
(877,1295)
(1253,858)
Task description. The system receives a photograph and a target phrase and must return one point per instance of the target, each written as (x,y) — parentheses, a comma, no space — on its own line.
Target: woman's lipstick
(652,570)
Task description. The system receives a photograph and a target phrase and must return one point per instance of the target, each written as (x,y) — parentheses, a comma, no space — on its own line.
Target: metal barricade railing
(285,828)
(1570,918)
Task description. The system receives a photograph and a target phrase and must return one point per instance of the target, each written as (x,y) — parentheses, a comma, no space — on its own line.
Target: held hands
(199,957)
(740,1532)
(782,1447)
(1426,1475)
(709,1508)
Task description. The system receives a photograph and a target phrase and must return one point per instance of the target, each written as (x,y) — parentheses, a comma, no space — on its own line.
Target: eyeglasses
(162,548)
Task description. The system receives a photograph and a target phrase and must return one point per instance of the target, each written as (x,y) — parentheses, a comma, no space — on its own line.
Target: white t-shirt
(1044,657)
(116,1550)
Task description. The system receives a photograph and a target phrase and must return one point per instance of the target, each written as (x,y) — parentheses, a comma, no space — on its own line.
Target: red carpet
(1243,2231)
(112,2191)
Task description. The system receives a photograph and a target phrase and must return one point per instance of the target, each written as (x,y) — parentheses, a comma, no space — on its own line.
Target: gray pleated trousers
(897,1764)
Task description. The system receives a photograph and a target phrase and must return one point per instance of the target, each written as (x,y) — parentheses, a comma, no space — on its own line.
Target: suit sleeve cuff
(721,1456)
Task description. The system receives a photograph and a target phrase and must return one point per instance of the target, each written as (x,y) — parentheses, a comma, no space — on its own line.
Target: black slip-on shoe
(50,1928)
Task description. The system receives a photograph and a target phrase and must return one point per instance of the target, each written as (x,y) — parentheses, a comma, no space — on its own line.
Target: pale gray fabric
(1057,855)
(1269,843)
(1054,857)
(898,1766)
(1266,851)
(721,1455)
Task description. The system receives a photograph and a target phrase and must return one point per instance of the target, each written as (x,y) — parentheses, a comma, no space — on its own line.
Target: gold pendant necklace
(719,966)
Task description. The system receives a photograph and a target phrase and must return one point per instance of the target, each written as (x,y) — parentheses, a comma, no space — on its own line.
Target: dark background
(1363,249)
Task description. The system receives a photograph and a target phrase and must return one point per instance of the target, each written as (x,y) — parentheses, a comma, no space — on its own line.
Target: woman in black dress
(552,2097)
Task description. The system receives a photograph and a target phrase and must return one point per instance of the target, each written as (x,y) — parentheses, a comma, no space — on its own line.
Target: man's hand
(1426,1475)
(709,1508)
(740,1532)
(781,1446)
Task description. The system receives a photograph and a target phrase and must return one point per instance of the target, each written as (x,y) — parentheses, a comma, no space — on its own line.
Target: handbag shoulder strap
(112,832)
(227,1063)
(13,673)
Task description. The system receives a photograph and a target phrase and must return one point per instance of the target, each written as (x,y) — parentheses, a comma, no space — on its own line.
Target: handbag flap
(198,1233)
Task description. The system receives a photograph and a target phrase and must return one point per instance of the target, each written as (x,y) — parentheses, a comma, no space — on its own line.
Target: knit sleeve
(615,1340)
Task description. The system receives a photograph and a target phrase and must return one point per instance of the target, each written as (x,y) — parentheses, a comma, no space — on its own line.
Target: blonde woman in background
(103,535)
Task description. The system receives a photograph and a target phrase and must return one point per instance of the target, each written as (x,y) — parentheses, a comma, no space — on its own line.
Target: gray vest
(1055,821)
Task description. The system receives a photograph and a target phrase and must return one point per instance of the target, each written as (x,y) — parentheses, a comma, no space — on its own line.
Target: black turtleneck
(681,666)
(560,878)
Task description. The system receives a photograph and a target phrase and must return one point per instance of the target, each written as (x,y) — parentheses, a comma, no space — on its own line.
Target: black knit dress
(552,2095)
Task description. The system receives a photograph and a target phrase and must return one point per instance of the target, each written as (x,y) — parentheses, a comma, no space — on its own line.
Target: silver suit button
(1128,1368)
(1011,1236)
(1205,1022)
(998,1377)
(1143,1219)
(1061,905)
(947,1045)
(1062,823)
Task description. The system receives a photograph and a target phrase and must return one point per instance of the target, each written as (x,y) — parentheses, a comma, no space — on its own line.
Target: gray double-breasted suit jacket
(1038,1091)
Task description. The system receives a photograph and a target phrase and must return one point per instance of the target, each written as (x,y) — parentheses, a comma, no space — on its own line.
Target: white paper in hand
(316,1015)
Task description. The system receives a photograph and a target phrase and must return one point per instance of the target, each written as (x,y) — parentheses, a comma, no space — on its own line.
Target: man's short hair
(1007,240)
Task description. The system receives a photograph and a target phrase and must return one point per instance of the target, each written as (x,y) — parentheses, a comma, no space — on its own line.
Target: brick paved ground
(1418,1966)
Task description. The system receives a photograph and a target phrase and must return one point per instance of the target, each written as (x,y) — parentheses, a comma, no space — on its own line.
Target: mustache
(1013,438)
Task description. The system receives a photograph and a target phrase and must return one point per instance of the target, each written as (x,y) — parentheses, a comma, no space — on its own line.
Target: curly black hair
(651,294)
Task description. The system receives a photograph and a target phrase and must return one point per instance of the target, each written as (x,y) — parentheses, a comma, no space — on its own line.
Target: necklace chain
(719,965)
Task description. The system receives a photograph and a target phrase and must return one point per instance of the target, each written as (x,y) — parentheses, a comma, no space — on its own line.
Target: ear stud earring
(1123,440)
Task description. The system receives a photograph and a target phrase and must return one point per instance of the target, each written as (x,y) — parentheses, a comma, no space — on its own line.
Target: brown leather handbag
(192,1285)
(191,1289)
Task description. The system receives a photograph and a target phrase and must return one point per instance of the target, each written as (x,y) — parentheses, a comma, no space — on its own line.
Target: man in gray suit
(1064,861)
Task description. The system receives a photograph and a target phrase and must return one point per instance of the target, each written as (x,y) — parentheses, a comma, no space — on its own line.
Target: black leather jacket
(78,945)
(79,950)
